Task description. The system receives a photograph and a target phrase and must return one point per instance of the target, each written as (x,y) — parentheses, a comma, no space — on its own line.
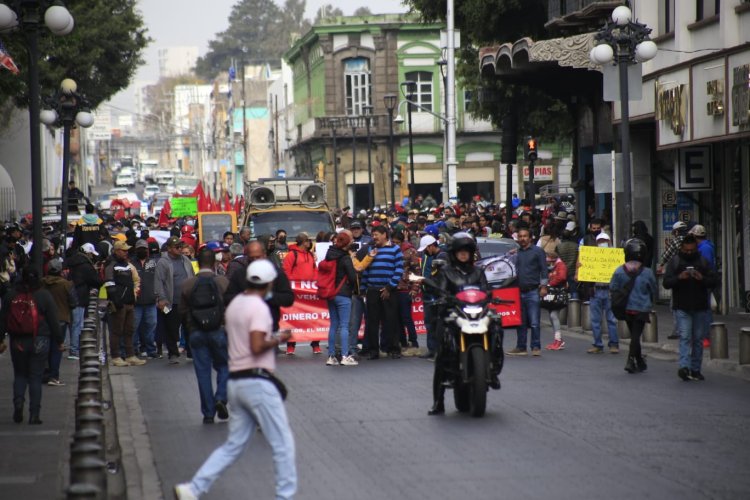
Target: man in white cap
(601,307)
(429,251)
(255,394)
(679,231)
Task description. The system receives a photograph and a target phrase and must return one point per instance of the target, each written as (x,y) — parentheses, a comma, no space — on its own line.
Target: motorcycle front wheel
(461,396)
(477,387)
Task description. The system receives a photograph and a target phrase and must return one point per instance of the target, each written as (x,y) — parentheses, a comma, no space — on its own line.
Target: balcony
(320,127)
(578,16)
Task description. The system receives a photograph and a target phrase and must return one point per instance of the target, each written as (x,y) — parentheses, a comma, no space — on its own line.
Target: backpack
(23,315)
(619,298)
(206,304)
(327,288)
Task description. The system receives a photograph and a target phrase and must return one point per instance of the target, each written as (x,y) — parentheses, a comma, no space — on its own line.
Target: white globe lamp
(622,15)
(84,119)
(602,54)
(48,116)
(645,51)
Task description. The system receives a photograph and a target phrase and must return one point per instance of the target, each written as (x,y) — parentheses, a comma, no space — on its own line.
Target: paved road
(566,425)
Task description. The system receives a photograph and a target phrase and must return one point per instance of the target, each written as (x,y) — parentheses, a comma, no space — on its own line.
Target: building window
(468,94)
(707,8)
(423,91)
(666,16)
(358,85)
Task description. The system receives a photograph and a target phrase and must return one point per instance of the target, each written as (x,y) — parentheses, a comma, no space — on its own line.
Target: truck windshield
(292,222)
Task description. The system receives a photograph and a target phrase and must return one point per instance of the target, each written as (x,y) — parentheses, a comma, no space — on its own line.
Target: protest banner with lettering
(184,206)
(599,264)
(510,314)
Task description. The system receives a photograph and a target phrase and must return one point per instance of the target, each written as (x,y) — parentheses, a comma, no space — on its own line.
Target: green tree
(258,32)
(101,54)
(327,11)
(363,11)
(489,22)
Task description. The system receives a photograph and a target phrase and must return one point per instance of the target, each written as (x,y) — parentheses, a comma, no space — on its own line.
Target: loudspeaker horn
(262,196)
(313,196)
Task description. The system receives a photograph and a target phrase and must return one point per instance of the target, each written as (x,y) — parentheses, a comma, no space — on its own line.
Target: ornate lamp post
(408,88)
(67,108)
(391,100)
(367,110)
(26,16)
(625,42)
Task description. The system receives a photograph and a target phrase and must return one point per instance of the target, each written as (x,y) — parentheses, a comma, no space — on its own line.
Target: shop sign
(741,97)
(715,91)
(694,172)
(541,173)
(671,106)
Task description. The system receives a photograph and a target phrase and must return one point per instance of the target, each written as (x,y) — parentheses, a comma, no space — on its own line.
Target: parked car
(498,259)
(125,179)
(150,190)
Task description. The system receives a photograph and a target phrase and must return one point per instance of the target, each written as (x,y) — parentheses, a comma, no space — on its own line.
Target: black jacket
(690,294)
(147,273)
(84,277)
(452,278)
(283,296)
(344,270)
(49,325)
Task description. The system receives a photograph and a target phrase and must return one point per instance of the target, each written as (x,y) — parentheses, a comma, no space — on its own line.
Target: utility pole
(450,92)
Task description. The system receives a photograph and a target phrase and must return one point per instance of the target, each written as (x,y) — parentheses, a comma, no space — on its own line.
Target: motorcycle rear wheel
(477,387)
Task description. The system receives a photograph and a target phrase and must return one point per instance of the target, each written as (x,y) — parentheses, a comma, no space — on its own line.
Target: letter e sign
(694,171)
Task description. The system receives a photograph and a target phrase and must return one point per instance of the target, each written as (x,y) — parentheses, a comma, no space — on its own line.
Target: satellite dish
(313,196)
(262,196)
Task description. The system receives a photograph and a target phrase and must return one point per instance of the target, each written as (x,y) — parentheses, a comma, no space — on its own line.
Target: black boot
(34,419)
(640,364)
(18,414)
(437,409)
(630,365)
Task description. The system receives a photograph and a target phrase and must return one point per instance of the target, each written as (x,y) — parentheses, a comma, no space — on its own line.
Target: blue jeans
(144,330)
(355,322)
(530,318)
(339,309)
(431,324)
(407,321)
(210,350)
(573,288)
(75,330)
(598,304)
(55,356)
(691,326)
(255,402)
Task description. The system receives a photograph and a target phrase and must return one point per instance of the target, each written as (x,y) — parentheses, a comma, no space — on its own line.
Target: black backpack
(619,298)
(206,304)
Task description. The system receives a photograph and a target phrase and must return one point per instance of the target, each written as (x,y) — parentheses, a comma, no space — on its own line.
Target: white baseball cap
(89,248)
(426,241)
(603,236)
(570,226)
(261,272)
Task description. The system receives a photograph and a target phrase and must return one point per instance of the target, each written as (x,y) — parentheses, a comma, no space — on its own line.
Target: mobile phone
(690,268)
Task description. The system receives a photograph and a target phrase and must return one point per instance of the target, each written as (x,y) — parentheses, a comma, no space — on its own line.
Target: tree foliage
(327,11)
(258,32)
(101,54)
(363,11)
(490,22)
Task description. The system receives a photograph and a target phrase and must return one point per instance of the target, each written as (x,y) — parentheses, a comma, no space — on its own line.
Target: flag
(166,210)
(237,205)
(227,203)
(6,61)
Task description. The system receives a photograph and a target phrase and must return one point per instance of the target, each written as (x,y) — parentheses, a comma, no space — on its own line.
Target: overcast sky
(195,22)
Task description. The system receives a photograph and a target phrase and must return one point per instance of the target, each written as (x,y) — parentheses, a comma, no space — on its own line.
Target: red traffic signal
(530,149)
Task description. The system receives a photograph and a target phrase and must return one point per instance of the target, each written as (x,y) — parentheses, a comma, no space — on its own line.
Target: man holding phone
(691,278)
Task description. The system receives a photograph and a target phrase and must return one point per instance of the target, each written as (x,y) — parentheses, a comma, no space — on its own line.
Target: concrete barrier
(745,345)
(563,315)
(651,329)
(623,332)
(586,317)
(574,313)
(719,341)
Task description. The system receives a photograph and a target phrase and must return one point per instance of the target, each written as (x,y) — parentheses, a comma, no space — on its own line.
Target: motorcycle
(472,332)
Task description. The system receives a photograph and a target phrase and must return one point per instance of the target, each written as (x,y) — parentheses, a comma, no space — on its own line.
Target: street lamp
(390,101)
(353,123)
(367,110)
(334,126)
(408,88)
(25,15)
(66,107)
(626,42)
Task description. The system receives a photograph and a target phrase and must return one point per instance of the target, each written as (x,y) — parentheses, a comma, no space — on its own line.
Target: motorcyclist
(458,273)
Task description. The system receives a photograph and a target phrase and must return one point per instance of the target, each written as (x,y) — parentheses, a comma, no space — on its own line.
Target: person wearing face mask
(299,265)
(600,308)
(144,315)
(558,277)
(690,277)
(281,244)
(595,228)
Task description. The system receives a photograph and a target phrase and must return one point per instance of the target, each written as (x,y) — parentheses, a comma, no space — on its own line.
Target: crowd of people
(178,298)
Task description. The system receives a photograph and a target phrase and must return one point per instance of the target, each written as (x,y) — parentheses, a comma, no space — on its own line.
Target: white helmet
(261,272)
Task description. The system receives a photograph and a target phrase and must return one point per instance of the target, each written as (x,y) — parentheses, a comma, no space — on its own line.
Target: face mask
(688,256)
(141,253)
(282,239)
(603,245)
(596,232)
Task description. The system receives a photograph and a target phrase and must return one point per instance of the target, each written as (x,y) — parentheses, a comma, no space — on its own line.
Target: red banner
(511,313)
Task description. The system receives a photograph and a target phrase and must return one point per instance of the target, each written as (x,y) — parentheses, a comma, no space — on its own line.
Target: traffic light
(530,149)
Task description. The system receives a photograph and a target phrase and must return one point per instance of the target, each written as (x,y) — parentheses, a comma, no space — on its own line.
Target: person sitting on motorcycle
(454,276)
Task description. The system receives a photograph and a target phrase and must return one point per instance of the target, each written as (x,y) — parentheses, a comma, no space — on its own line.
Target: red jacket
(559,274)
(299,265)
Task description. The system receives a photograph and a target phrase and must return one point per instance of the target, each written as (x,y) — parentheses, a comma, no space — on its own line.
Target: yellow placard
(599,264)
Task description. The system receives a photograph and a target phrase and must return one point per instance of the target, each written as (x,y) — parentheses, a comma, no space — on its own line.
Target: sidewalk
(734,322)
(35,460)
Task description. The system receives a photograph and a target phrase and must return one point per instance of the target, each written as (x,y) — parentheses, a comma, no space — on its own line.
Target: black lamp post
(408,88)
(626,42)
(368,111)
(334,125)
(26,16)
(391,100)
(66,108)
(354,164)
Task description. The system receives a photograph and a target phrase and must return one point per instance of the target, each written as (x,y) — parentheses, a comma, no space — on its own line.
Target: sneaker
(315,348)
(184,491)
(55,382)
(613,349)
(536,351)
(517,352)
(156,355)
(119,362)
(173,360)
(135,361)
(73,357)
(208,420)
(696,375)
(557,345)
(348,361)
(332,361)
(595,350)
(684,374)
(706,343)
(290,350)
(143,354)
(221,410)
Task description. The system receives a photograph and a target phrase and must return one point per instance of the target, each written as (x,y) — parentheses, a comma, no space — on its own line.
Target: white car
(150,190)
(126,179)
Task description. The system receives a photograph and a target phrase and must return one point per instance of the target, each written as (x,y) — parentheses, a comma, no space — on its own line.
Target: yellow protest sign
(598,264)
